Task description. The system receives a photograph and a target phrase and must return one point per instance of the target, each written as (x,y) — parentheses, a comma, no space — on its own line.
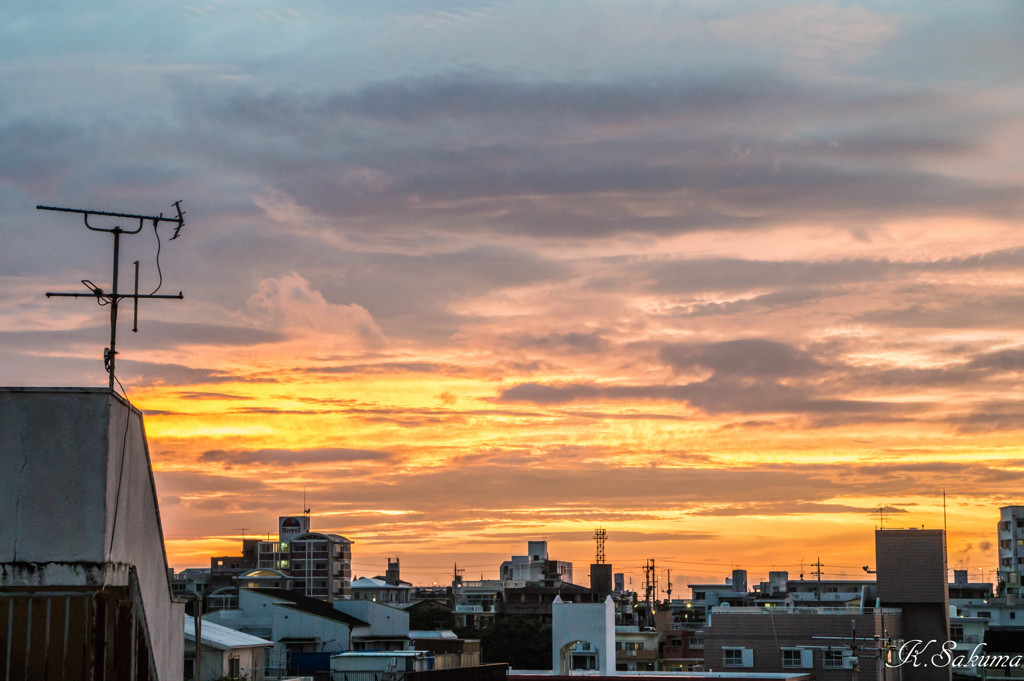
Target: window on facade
(1005,525)
(732,657)
(1004,543)
(790,657)
(832,659)
(956,632)
(234,668)
(984,613)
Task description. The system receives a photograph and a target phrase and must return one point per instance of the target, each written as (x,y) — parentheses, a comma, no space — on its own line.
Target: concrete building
(319,565)
(223,653)
(478,602)
(1010,532)
(911,576)
(583,637)
(380,591)
(636,649)
(300,627)
(908,601)
(536,567)
(814,640)
(84,587)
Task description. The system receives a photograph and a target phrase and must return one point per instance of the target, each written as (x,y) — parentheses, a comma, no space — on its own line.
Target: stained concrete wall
(80,505)
(593,623)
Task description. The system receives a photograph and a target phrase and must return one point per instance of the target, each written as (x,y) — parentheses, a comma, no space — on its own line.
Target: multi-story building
(536,566)
(1011,549)
(319,565)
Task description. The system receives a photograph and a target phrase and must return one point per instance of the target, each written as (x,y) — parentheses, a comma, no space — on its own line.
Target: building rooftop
(313,606)
(221,637)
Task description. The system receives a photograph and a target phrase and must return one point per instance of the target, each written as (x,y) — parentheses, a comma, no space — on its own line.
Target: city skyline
(722,279)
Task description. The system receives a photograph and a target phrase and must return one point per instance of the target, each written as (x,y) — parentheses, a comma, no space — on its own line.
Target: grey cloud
(751,357)
(715,395)
(387,368)
(572,342)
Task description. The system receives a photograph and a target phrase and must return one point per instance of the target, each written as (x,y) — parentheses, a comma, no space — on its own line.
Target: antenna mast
(114,297)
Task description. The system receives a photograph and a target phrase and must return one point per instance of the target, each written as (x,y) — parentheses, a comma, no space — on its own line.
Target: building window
(737,657)
(732,657)
(984,613)
(797,658)
(956,633)
(832,659)
(234,668)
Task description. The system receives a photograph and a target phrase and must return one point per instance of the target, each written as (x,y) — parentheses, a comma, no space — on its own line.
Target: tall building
(1011,549)
(911,567)
(319,565)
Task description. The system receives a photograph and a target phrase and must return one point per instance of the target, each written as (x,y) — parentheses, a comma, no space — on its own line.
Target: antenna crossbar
(114,297)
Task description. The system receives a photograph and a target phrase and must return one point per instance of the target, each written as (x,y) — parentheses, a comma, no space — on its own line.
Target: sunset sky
(721,278)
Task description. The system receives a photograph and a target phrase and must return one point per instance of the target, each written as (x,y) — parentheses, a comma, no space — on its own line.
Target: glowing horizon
(720,279)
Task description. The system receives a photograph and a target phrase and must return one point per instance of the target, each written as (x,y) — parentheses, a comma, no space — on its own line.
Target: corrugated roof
(221,637)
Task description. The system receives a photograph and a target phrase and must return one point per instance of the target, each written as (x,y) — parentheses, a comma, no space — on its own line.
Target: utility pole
(817,572)
(114,297)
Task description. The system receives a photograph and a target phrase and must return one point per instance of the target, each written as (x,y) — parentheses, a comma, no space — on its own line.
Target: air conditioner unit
(850,662)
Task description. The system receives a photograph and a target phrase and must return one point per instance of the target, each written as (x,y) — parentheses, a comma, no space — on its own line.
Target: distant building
(1011,549)
(536,567)
(379,591)
(319,565)
(841,635)
(303,630)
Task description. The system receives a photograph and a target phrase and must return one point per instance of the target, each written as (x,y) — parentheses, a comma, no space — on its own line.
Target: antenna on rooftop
(882,513)
(114,296)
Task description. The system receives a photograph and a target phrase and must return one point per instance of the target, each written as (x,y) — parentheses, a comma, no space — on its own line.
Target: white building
(1011,549)
(292,622)
(535,567)
(223,653)
(379,591)
(583,637)
(82,545)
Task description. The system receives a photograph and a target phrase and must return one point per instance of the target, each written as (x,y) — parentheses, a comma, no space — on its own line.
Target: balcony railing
(803,610)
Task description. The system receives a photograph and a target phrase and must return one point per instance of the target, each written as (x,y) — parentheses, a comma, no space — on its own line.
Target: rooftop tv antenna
(882,513)
(114,296)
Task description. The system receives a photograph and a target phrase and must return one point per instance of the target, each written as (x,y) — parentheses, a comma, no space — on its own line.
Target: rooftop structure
(83,546)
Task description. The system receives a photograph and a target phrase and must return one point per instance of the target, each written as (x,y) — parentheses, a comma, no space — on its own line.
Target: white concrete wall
(76,488)
(593,623)
(384,620)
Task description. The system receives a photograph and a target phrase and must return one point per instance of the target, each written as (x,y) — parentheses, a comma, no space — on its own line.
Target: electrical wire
(120,471)
(158,270)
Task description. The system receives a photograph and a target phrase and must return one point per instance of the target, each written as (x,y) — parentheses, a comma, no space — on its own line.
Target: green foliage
(522,642)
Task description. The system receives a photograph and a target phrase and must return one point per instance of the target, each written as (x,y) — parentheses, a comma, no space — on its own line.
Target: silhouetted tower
(600,571)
